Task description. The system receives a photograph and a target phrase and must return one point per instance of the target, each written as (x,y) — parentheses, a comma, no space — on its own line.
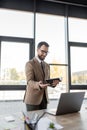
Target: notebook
(68,103)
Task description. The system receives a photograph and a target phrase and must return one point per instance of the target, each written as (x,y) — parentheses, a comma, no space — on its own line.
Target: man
(37,71)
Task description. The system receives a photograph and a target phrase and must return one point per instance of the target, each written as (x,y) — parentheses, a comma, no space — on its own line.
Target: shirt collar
(39,59)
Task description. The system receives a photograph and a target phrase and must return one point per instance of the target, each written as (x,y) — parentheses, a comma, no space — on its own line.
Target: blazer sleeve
(29,72)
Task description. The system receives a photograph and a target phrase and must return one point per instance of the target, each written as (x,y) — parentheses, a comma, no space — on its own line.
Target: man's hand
(43,85)
(55,82)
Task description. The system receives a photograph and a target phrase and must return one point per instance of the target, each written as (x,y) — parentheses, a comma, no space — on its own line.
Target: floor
(17,106)
(7,107)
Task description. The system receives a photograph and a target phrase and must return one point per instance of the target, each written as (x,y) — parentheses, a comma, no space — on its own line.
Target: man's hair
(42,43)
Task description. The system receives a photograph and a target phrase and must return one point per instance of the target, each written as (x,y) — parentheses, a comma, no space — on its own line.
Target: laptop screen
(68,103)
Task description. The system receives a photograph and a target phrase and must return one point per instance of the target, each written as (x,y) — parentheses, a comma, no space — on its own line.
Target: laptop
(68,103)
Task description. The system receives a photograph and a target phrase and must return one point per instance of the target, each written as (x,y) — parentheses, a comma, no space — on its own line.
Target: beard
(41,57)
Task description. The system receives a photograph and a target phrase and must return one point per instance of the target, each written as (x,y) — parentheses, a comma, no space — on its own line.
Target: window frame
(32,53)
(74,87)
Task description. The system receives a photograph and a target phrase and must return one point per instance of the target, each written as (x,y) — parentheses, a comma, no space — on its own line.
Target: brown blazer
(34,74)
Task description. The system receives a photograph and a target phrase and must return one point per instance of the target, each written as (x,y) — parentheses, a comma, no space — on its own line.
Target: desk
(75,121)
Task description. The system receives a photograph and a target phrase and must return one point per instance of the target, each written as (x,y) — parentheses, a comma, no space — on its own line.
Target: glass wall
(78,30)
(78,65)
(14,53)
(16,23)
(50,28)
(13,58)
(41,27)
(78,52)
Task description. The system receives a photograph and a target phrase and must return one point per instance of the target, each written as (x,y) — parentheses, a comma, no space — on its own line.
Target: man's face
(42,52)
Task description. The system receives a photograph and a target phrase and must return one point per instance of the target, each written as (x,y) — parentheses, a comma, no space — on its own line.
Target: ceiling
(80,2)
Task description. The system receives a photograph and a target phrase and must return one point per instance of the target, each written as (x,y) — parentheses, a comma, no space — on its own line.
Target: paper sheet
(44,122)
(9,118)
(6,126)
(9,126)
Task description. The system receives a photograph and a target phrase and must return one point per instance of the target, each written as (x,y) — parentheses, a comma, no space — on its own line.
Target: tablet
(50,81)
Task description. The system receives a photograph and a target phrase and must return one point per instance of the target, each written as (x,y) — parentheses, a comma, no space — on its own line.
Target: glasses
(46,52)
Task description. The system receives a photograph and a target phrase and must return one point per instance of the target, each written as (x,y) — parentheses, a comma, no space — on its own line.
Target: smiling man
(37,71)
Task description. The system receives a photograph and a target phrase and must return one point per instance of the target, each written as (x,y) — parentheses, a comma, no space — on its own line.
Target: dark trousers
(42,105)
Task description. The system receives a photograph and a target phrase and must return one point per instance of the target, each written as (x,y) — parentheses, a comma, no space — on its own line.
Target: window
(16,23)
(78,65)
(17,26)
(13,58)
(14,55)
(78,30)
(50,28)
(78,52)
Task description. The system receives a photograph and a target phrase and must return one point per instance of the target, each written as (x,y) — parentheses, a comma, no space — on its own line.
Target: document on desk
(9,118)
(9,126)
(44,122)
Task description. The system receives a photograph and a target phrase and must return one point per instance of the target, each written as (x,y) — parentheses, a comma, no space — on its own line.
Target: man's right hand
(43,85)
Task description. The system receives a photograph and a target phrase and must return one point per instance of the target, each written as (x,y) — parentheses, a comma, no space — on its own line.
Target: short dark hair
(42,43)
